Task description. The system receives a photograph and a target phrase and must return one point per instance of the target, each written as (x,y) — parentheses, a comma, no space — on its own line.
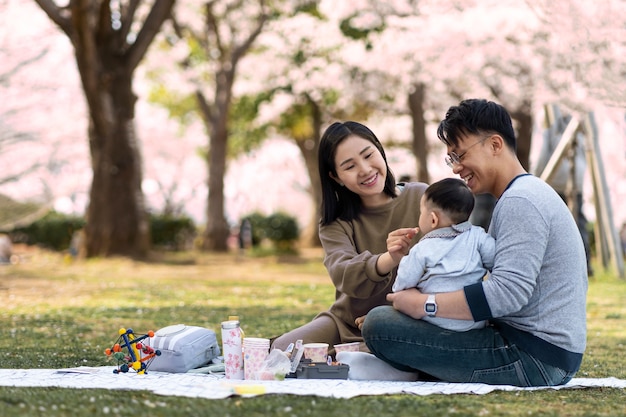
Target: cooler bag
(183,348)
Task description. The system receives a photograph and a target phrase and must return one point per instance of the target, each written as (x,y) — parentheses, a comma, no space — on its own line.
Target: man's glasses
(453,159)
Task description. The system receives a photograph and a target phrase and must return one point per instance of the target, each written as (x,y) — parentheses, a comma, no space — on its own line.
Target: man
(534,297)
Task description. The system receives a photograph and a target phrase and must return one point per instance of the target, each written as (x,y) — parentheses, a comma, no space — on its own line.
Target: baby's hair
(452,196)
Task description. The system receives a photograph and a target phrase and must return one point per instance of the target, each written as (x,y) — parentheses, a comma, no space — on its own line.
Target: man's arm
(451,305)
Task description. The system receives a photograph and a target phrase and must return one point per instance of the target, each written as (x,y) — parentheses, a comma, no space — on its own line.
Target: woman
(368,225)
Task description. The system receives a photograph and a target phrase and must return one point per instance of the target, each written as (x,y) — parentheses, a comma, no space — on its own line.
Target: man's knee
(377,317)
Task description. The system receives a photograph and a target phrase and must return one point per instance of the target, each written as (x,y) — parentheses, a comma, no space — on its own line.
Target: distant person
(6,249)
(534,297)
(245,235)
(368,224)
(452,253)
(562,180)
(77,242)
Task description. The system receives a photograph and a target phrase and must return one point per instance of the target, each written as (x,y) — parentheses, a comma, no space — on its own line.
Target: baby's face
(426,215)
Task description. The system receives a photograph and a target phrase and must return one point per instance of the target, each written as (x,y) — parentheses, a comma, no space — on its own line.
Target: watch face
(430,308)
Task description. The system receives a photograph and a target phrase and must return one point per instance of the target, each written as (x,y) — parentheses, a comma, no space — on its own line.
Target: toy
(131,353)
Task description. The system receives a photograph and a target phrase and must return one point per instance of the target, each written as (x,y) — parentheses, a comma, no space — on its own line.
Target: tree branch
(243,48)
(212,27)
(103,28)
(57,14)
(205,108)
(4,78)
(128,15)
(161,10)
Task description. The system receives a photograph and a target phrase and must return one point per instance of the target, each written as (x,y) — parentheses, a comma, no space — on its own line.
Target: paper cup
(347,347)
(316,352)
(255,350)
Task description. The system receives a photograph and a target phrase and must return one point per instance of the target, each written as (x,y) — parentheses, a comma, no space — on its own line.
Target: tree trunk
(217,230)
(309,149)
(524,118)
(215,114)
(420,150)
(117,221)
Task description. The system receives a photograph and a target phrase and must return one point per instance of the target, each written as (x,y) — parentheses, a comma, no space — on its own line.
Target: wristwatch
(430,306)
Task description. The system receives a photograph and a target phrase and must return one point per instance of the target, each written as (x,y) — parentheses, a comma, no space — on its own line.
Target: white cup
(347,347)
(316,352)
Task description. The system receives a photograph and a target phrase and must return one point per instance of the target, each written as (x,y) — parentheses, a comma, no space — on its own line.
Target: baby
(452,252)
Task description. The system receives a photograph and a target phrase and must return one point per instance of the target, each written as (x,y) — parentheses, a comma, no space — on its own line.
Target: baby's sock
(365,366)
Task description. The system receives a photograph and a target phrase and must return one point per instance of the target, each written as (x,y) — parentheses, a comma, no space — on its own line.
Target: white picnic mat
(216,386)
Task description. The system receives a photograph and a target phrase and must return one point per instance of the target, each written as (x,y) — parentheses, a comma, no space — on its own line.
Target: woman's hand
(399,242)
(410,302)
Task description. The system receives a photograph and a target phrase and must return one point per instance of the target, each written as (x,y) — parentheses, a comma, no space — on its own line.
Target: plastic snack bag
(275,367)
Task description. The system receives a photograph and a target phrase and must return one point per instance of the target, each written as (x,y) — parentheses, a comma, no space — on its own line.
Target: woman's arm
(361,274)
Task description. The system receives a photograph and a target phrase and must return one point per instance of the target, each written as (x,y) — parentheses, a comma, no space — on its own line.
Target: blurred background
(117,112)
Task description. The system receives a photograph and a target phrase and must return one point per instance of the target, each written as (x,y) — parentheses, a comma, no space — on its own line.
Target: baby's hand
(359,322)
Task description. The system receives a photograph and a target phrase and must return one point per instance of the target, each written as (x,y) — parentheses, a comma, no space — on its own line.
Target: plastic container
(321,370)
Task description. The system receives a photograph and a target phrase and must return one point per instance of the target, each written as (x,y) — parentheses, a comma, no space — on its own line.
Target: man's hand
(410,302)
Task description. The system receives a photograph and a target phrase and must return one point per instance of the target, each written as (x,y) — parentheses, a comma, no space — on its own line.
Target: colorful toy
(131,353)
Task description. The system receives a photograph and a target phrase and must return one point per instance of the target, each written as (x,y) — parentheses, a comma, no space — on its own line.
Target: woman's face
(362,169)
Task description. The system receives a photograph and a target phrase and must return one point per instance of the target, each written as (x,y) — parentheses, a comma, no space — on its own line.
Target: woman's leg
(322,329)
(474,356)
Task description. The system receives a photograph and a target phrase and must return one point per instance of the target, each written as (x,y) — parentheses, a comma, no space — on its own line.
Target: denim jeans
(481,355)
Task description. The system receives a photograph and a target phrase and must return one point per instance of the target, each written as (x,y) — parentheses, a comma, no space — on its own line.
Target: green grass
(57,314)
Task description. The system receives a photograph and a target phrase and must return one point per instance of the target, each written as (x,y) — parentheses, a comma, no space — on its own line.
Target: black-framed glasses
(453,159)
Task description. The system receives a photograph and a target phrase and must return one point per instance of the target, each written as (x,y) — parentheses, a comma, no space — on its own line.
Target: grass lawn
(56,313)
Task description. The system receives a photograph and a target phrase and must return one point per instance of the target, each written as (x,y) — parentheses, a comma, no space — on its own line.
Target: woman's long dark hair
(338,201)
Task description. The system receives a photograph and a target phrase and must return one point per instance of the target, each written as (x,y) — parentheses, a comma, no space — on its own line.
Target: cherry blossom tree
(310,86)
(40,152)
(421,57)
(110,38)
(582,51)
(438,53)
(365,59)
(9,136)
(208,51)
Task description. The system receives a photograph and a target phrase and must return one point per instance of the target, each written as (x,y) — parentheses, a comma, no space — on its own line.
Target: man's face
(469,160)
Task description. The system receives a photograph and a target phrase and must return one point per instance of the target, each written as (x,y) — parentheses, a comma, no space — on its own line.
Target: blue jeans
(481,355)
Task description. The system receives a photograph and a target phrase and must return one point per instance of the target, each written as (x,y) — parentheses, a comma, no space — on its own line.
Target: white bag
(183,348)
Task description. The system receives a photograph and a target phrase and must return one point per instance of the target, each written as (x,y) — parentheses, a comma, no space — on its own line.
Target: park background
(394,65)
(347,59)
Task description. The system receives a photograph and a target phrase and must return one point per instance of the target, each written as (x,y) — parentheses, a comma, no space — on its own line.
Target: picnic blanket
(213,386)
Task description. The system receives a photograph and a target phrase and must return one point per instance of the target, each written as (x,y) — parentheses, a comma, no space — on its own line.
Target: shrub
(282,230)
(54,231)
(171,232)
(279,228)
(258,225)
